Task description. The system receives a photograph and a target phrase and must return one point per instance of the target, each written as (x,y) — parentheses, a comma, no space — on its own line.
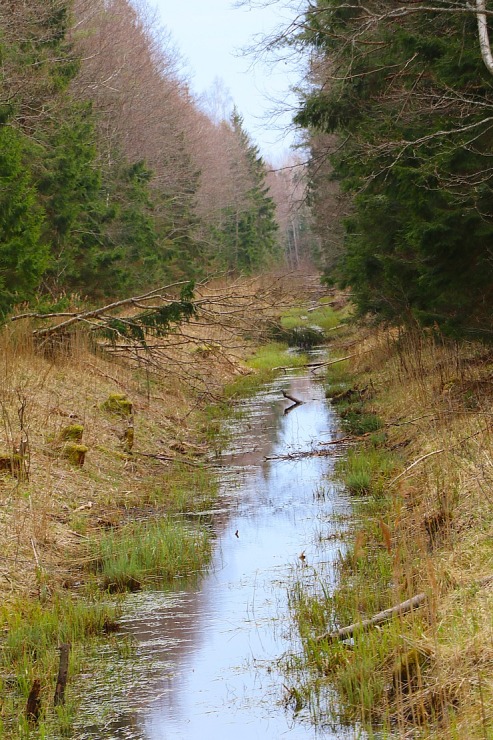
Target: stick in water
(62,675)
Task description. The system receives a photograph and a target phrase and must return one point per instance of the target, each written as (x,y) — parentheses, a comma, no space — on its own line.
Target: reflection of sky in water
(208,656)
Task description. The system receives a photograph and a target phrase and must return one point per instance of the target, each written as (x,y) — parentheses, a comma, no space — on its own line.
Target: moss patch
(118,404)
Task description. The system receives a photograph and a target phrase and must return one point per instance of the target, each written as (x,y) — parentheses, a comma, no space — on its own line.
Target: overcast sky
(211,35)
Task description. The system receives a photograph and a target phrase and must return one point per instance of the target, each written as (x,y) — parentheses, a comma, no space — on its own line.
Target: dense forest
(397,114)
(113,177)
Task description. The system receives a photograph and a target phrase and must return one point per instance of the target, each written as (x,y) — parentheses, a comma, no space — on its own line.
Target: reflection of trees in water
(166,629)
(170,628)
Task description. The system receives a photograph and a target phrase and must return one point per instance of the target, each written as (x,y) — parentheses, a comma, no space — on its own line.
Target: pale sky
(210,35)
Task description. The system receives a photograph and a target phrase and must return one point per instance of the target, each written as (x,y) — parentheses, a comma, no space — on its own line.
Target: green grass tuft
(155,551)
(366,469)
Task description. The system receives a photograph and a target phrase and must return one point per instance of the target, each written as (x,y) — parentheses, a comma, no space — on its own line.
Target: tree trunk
(484,41)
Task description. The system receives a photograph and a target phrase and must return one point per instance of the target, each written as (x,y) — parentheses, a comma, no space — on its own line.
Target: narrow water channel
(209,662)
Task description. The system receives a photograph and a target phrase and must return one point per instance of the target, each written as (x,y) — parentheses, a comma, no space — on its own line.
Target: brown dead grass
(436,398)
(46,517)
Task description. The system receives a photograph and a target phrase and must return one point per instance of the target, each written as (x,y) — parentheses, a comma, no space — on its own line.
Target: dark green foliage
(248,237)
(409,99)
(80,220)
(22,255)
(155,322)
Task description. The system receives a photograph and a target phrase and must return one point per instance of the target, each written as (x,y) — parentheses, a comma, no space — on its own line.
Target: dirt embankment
(418,410)
(86,436)
(99,442)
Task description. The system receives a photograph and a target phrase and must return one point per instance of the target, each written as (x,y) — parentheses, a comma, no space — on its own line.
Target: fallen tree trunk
(345,632)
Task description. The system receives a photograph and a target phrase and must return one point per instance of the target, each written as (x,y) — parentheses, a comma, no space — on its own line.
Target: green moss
(118,404)
(128,438)
(75,453)
(72,433)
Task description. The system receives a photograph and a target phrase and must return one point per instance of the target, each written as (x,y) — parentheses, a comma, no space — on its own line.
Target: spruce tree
(249,234)
(23,256)
(408,99)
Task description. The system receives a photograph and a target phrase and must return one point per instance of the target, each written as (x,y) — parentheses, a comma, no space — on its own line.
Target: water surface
(210,659)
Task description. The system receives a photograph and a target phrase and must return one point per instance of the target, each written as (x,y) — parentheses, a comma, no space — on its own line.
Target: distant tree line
(113,178)
(398,118)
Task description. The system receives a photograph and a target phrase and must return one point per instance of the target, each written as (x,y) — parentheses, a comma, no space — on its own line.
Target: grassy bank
(416,411)
(103,475)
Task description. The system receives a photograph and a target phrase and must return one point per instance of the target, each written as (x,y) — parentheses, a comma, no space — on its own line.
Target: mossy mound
(118,404)
(72,433)
(75,453)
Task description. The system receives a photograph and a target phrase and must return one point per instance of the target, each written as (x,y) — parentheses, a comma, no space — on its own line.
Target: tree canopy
(113,178)
(400,98)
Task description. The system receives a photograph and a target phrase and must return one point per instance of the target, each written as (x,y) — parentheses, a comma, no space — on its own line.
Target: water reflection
(208,657)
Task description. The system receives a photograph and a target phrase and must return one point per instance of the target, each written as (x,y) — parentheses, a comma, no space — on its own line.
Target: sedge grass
(156,551)
(186,489)
(32,633)
(366,469)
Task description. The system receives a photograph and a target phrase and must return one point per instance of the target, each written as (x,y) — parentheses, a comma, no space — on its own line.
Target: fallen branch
(347,440)
(436,452)
(84,315)
(416,462)
(345,632)
(332,362)
(304,453)
(169,458)
(292,398)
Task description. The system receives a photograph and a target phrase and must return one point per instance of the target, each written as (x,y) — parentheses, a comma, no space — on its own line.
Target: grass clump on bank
(366,470)
(265,363)
(154,552)
(422,522)
(33,631)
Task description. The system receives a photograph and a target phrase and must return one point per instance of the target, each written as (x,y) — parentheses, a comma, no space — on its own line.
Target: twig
(303,454)
(436,452)
(344,632)
(420,459)
(35,553)
(169,458)
(333,362)
(292,398)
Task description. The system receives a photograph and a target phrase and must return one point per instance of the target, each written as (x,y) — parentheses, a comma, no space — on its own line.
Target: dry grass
(56,516)
(436,399)
(46,514)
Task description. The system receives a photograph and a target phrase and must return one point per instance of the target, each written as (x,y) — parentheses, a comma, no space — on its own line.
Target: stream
(209,661)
